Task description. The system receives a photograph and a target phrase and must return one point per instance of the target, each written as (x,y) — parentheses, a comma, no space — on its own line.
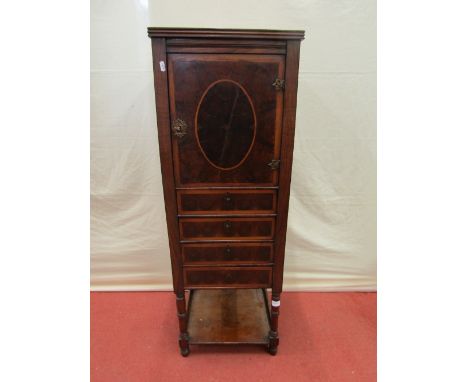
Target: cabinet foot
(272,350)
(182,314)
(184,344)
(274,341)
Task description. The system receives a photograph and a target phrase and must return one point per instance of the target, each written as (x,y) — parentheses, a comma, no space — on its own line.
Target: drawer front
(226,229)
(255,277)
(228,253)
(222,201)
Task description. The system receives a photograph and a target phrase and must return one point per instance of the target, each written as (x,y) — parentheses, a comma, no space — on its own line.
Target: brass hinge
(274,164)
(278,84)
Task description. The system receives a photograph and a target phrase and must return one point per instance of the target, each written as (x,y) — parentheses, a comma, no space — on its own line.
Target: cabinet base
(228,316)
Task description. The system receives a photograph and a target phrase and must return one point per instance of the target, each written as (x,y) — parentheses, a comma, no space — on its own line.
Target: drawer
(222,201)
(227,253)
(253,277)
(226,228)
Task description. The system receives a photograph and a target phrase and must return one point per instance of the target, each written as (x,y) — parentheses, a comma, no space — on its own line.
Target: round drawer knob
(227,225)
(227,250)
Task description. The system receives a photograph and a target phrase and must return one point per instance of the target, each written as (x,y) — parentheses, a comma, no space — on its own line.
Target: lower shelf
(228,316)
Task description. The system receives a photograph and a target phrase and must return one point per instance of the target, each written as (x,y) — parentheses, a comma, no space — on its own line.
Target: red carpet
(323,337)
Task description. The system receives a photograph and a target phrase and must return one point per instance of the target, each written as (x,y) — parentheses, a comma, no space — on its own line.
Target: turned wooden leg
(273,335)
(182,315)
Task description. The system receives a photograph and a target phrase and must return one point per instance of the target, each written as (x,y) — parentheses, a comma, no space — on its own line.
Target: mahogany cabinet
(226,106)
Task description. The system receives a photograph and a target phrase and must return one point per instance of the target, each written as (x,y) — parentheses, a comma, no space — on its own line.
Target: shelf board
(228,316)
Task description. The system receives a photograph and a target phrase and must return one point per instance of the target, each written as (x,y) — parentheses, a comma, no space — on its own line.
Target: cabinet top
(267,34)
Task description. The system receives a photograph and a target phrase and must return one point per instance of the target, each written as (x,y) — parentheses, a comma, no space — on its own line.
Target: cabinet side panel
(165,153)
(287,147)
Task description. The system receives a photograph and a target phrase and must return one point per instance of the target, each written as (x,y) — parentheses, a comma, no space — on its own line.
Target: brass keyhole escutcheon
(179,128)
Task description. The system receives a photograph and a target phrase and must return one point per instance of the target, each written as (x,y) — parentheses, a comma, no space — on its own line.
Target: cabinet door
(226,117)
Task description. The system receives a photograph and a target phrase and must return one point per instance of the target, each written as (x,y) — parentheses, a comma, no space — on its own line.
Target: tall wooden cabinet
(226,106)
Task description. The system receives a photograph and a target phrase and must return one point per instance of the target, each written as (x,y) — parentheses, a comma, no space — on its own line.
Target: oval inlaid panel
(225,124)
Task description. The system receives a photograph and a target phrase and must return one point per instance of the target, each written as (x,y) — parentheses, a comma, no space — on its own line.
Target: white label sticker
(275,303)
(162,65)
